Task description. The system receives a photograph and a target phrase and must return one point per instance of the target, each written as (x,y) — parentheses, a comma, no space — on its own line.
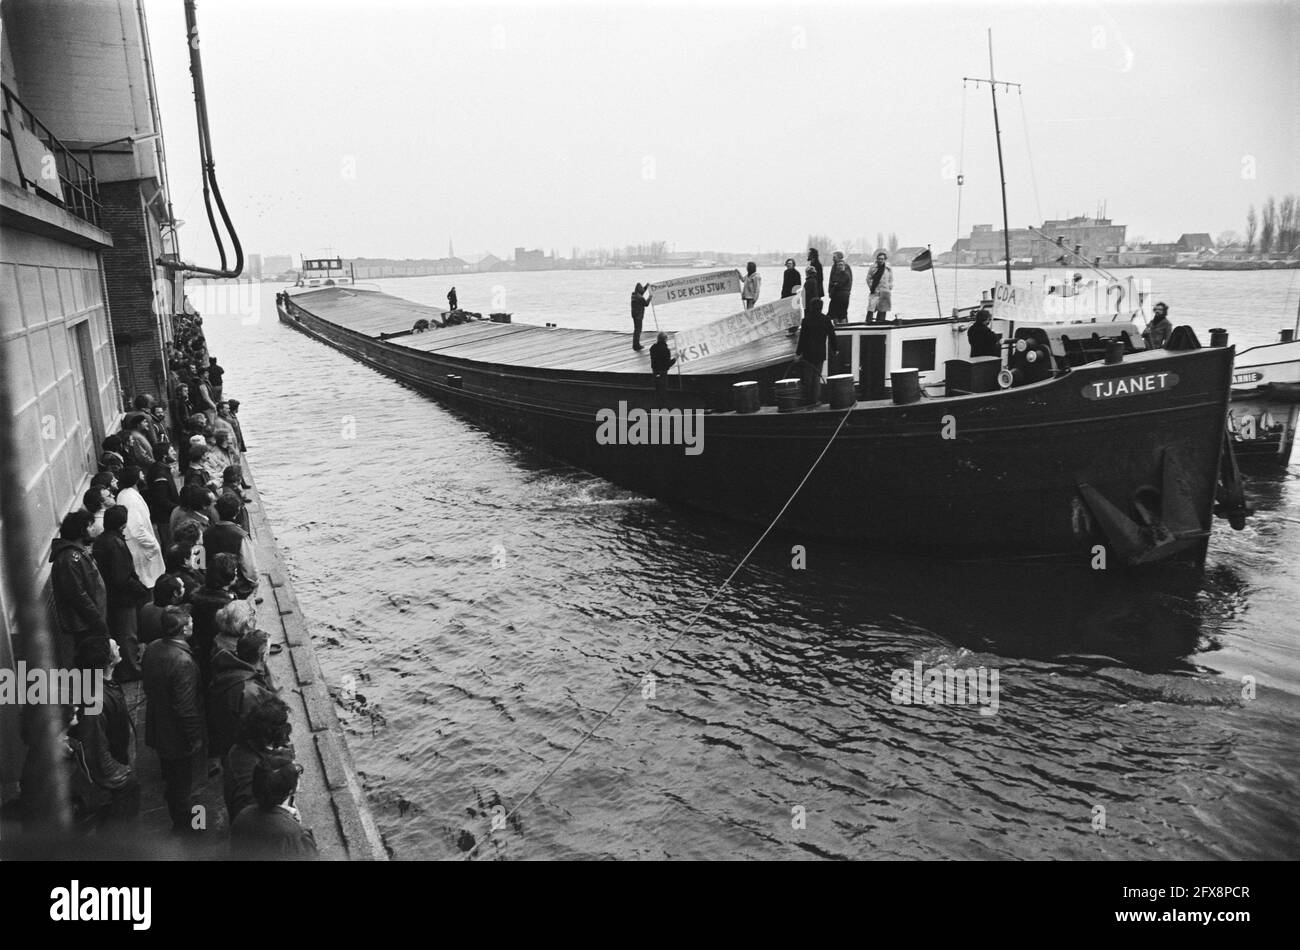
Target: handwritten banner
(697,285)
(1016,303)
(740,328)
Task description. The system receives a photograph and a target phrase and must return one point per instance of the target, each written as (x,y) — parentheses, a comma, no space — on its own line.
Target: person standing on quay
(80,598)
(126,593)
(840,288)
(749,291)
(146,552)
(791,280)
(174,726)
(638,315)
(880,284)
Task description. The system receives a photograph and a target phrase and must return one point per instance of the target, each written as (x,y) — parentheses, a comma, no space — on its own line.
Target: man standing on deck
(638,316)
(451,299)
(840,288)
(661,361)
(1159,329)
(791,280)
(816,335)
(880,284)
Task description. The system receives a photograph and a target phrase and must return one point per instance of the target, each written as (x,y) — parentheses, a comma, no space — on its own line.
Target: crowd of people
(155,585)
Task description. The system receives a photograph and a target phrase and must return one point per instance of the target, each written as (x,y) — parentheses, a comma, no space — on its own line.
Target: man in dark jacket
(216,373)
(983,341)
(661,361)
(206,601)
(816,335)
(233,419)
(161,493)
(791,280)
(227,537)
(264,730)
(174,726)
(238,685)
(80,598)
(272,829)
(841,286)
(126,592)
(104,735)
(638,316)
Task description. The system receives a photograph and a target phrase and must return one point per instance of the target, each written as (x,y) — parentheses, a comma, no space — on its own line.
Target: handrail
(79,187)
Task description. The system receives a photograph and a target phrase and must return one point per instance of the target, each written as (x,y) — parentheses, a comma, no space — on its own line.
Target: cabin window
(918,354)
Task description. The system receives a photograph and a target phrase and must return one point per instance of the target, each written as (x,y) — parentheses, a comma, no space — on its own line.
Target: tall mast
(997,131)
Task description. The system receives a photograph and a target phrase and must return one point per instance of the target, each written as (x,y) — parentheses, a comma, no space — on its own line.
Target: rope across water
(677,639)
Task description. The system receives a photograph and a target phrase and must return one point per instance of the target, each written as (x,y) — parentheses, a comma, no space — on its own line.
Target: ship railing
(78,187)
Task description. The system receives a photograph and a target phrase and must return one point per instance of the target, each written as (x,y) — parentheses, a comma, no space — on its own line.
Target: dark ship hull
(1121,459)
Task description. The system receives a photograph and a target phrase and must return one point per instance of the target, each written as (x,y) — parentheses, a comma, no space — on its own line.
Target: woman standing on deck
(753,280)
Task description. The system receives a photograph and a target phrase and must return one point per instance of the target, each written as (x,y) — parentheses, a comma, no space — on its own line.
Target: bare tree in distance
(1288,224)
(823,244)
(1227,239)
(893,244)
(1252,228)
(1267,226)
(880,240)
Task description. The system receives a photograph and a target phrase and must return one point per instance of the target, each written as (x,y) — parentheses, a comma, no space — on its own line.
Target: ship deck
(376,314)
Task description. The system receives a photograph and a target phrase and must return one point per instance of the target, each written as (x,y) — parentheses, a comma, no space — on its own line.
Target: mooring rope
(689,627)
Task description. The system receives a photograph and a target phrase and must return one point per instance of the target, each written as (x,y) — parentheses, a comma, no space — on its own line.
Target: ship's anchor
(1230,493)
(1165,521)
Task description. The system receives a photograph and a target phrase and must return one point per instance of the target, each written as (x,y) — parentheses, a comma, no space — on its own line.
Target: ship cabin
(939,353)
(323,272)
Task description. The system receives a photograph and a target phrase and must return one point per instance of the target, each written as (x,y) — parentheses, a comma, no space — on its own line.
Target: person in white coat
(141,540)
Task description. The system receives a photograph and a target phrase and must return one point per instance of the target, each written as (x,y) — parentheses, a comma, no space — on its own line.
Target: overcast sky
(384,128)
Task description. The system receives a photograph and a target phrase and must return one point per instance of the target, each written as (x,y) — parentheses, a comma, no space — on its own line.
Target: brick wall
(129,274)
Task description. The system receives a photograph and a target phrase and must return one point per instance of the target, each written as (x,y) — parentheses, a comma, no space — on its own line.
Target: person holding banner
(840,287)
(749,291)
(638,316)
(816,335)
(880,284)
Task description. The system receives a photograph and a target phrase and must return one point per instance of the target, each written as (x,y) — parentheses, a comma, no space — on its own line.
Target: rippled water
(492,606)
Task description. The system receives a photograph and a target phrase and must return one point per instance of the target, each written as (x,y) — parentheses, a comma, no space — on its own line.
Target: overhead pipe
(211,190)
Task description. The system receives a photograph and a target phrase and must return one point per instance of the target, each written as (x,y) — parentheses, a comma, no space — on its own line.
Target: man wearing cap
(1159,329)
(272,829)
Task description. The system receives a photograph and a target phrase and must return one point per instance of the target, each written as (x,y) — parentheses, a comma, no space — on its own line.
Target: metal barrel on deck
(744,396)
(1114,351)
(788,395)
(906,384)
(1218,336)
(839,390)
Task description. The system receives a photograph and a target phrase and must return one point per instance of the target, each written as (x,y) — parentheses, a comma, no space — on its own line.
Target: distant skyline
(388,129)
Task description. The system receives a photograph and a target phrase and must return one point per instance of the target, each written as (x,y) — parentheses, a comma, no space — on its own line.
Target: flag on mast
(922,261)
